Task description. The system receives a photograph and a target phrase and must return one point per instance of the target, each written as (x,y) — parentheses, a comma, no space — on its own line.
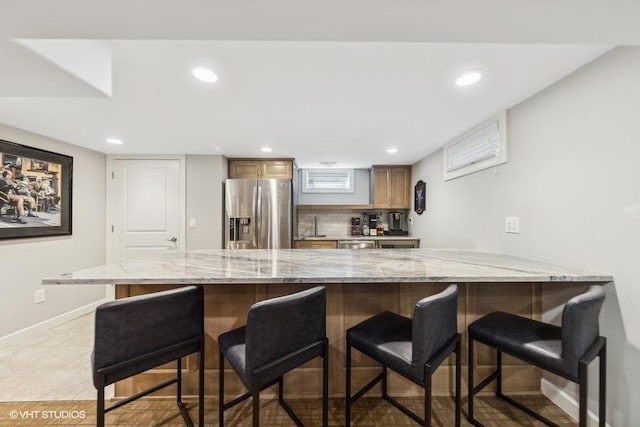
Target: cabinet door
(244,168)
(276,169)
(315,244)
(398,244)
(400,188)
(381,187)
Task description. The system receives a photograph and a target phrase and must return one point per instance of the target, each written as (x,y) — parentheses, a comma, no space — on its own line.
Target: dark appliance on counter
(372,222)
(397,224)
(356,228)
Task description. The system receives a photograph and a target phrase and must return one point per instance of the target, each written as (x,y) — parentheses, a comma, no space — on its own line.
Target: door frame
(111,158)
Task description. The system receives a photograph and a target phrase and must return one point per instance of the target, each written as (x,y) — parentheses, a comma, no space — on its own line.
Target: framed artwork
(419,197)
(35,192)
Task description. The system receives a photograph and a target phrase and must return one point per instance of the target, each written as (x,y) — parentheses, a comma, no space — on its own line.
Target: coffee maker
(397,224)
(372,221)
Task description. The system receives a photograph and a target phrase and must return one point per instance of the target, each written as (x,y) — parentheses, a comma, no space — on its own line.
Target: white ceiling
(317,81)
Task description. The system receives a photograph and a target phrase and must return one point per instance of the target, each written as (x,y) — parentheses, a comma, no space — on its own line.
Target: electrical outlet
(39,296)
(512,224)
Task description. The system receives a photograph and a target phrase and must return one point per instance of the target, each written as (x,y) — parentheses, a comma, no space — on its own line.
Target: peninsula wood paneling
(226,308)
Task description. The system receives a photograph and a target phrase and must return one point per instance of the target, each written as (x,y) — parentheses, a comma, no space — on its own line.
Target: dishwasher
(356,244)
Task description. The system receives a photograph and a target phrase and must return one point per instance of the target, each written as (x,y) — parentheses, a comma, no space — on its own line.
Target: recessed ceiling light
(114,141)
(469,78)
(392,150)
(205,75)
(327,163)
(266,149)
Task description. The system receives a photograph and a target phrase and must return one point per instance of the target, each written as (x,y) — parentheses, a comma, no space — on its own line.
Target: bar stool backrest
(580,326)
(138,326)
(279,326)
(434,323)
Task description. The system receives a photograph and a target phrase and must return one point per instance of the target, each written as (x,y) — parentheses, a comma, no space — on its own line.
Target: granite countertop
(329,237)
(340,266)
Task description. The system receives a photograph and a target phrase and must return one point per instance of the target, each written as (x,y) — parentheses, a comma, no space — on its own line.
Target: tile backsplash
(331,222)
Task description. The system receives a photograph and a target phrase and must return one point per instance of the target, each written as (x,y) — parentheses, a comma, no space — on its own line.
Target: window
(482,147)
(327,181)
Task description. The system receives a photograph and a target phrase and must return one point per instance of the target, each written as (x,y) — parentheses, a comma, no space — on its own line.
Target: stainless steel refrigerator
(258,214)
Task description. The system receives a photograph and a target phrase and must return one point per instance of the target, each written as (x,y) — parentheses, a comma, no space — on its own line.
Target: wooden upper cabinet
(277,169)
(261,168)
(244,168)
(392,187)
(381,181)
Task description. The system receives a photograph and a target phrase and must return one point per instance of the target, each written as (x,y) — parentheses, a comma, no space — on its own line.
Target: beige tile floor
(53,365)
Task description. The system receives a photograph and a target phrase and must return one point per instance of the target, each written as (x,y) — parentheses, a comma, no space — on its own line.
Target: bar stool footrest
(404,409)
(527,410)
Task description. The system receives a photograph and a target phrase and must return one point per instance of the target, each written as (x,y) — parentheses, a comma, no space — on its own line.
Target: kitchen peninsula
(359,283)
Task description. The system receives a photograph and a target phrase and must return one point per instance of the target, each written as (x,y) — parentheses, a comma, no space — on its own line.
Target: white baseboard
(23,334)
(567,403)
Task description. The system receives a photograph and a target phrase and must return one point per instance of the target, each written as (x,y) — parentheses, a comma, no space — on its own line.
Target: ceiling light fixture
(115,141)
(205,75)
(327,163)
(469,78)
(266,149)
(392,150)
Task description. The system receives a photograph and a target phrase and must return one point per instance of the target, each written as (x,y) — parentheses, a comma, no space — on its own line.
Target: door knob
(172,240)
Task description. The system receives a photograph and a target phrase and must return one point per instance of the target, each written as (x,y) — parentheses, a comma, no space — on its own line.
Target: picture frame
(419,202)
(35,192)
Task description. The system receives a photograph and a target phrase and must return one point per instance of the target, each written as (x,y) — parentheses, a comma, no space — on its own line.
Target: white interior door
(147,200)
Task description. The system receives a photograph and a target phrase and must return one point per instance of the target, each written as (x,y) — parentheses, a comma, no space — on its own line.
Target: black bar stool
(139,333)
(565,351)
(412,348)
(281,334)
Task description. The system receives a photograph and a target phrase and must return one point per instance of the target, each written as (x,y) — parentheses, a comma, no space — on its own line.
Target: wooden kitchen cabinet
(392,187)
(261,168)
(398,244)
(315,244)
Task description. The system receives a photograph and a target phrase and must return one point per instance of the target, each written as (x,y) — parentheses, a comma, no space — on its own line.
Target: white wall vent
(327,181)
(482,147)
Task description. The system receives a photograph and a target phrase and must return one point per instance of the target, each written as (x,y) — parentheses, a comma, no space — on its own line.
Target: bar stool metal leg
(602,396)
(221,390)
(255,397)
(100,414)
(201,385)
(179,381)
(325,384)
(499,371)
(458,382)
(583,375)
(427,397)
(347,395)
(385,393)
(470,380)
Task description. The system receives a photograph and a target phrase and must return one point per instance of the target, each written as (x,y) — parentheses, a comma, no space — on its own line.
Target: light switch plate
(39,296)
(512,224)
(193,223)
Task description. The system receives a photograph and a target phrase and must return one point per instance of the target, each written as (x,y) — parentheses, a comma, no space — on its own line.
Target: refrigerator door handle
(258,217)
(256,209)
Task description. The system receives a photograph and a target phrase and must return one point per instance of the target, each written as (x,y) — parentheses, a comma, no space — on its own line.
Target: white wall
(24,262)
(205,175)
(574,180)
